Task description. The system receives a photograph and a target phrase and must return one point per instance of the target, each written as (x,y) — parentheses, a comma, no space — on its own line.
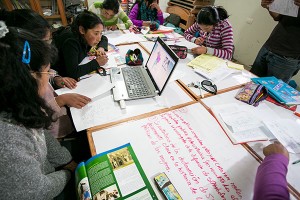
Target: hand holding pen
(200,40)
(102,58)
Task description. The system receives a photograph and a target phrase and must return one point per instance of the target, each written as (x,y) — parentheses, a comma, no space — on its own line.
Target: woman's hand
(276,148)
(71,166)
(266,3)
(199,40)
(102,59)
(146,23)
(112,28)
(297,2)
(199,50)
(155,5)
(72,100)
(65,82)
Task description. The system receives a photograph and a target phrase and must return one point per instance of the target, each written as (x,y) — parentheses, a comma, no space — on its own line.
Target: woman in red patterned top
(216,34)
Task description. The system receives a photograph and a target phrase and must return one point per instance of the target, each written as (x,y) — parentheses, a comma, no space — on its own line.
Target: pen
(295,162)
(201,93)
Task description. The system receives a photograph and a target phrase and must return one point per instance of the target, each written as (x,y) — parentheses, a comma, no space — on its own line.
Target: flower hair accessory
(3,29)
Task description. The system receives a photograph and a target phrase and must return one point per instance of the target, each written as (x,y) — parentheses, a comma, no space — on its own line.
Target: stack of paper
(211,67)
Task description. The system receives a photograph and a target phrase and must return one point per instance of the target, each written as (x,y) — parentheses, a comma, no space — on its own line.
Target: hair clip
(26,52)
(3,29)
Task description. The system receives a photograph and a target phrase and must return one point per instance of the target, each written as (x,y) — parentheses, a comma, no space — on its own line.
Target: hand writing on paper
(276,148)
(65,82)
(146,23)
(199,40)
(112,28)
(72,100)
(102,59)
(297,2)
(266,3)
(199,50)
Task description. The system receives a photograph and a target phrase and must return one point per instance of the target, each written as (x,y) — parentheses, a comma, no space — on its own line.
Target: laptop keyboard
(135,82)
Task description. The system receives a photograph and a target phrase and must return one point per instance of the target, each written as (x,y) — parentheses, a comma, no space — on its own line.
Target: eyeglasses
(208,86)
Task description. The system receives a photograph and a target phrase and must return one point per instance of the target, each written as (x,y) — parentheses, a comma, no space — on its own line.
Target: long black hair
(19,89)
(26,19)
(211,15)
(86,19)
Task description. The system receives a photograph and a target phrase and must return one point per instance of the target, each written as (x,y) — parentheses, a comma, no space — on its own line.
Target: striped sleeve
(190,32)
(226,49)
(124,18)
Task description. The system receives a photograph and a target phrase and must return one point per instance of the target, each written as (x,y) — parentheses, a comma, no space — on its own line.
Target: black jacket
(72,49)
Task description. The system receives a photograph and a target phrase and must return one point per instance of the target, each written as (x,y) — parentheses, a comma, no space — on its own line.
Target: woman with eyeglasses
(33,164)
(215,33)
(145,12)
(110,13)
(32,21)
(74,43)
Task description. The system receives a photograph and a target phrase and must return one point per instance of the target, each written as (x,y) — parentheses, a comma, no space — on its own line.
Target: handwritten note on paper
(286,7)
(287,132)
(191,148)
(207,63)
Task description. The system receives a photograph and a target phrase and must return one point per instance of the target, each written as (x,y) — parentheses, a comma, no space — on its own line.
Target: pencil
(295,162)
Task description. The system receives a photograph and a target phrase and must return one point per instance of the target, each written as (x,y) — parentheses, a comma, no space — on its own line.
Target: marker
(295,162)
(297,114)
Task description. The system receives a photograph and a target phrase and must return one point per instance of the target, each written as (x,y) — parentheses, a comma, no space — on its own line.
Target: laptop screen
(161,63)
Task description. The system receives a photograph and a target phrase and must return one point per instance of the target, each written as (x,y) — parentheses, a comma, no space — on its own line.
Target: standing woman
(216,34)
(143,12)
(33,164)
(74,43)
(110,13)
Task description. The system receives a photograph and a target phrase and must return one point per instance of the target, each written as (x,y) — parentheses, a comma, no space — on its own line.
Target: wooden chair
(187,19)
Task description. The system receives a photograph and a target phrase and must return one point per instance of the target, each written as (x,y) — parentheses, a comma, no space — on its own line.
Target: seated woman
(216,34)
(74,43)
(110,13)
(33,22)
(143,12)
(33,164)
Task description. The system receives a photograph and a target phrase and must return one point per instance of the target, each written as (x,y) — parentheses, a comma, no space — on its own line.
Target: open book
(114,174)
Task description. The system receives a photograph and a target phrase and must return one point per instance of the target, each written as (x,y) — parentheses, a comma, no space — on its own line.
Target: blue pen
(295,162)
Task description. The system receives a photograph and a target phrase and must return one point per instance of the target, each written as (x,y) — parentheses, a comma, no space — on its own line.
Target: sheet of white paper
(90,87)
(96,111)
(284,7)
(190,147)
(111,61)
(287,132)
(127,38)
(217,74)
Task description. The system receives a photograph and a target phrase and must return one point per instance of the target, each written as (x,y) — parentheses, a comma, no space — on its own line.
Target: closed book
(279,90)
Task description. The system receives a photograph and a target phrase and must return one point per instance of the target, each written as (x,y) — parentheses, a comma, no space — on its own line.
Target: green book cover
(114,174)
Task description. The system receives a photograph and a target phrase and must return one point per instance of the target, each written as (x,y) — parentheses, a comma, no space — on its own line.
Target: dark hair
(26,19)
(211,15)
(87,20)
(19,89)
(113,5)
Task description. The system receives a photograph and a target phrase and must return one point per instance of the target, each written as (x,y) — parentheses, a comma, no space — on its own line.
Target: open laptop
(135,82)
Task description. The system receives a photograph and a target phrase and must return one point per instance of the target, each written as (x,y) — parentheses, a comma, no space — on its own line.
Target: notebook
(135,82)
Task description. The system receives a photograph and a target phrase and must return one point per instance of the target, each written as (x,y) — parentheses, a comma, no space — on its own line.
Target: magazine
(279,90)
(111,175)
